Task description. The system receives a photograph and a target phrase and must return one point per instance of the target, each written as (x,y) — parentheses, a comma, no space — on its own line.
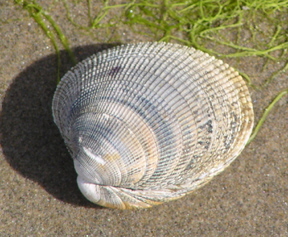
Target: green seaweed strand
(62,37)
(265,114)
(36,12)
(275,74)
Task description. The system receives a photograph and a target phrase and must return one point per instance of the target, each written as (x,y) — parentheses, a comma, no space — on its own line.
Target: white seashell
(148,123)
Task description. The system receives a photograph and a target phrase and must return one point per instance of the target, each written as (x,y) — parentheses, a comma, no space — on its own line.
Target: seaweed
(265,114)
(38,14)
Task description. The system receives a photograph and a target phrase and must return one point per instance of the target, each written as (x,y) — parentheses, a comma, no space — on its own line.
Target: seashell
(151,122)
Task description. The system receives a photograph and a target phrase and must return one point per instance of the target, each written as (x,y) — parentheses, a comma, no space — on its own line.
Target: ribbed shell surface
(150,122)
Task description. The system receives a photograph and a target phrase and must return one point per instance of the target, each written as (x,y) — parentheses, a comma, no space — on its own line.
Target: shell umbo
(148,123)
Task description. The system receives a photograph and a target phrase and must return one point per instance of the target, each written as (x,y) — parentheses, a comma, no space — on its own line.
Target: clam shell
(150,122)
